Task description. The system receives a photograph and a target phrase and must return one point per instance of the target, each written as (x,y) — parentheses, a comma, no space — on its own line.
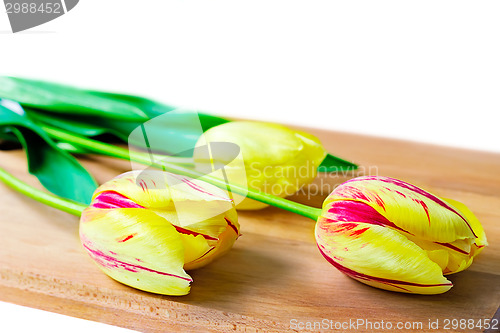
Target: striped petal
(136,247)
(410,208)
(379,257)
(222,246)
(156,189)
(476,226)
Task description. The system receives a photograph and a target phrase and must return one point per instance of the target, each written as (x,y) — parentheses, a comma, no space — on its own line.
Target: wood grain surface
(274,277)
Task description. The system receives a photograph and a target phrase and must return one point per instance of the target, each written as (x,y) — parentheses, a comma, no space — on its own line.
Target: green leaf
(61,98)
(58,171)
(153,108)
(83,126)
(175,130)
(149,107)
(335,164)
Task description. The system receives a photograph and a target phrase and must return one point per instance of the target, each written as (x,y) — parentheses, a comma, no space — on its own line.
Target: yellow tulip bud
(144,229)
(275,159)
(393,235)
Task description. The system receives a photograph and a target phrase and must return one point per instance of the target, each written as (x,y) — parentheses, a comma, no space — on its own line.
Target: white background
(427,71)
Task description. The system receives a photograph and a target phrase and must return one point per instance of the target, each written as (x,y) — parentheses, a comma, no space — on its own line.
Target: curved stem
(73,149)
(51,200)
(114,151)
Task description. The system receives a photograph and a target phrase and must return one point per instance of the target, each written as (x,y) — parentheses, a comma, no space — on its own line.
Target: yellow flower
(274,159)
(393,235)
(144,229)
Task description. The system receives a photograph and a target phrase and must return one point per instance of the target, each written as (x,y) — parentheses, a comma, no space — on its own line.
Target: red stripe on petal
(194,233)
(355,211)
(112,199)
(230,224)
(111,262)
(206,253)
(417,190)
(453,248)
(127,238)
(426,209)
(198,188)
(358,232)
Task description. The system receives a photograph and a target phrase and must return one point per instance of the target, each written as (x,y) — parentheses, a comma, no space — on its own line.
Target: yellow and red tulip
(393,235)
(275,159)
(144,229)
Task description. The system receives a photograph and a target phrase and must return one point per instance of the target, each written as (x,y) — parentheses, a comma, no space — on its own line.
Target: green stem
(114,151)
(110,150)
(51,200)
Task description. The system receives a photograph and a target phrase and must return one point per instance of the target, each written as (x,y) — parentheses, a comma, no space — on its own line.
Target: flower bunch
(145,229)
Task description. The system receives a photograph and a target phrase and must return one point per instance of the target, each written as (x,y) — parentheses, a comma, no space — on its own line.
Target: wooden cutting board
(274,279)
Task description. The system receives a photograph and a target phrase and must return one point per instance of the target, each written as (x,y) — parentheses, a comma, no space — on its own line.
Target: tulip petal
(473,222)
(195,246)
(379,256)
(144,189)
(224,244)
(408,207)
(136,247)
(156,189)
(451,257)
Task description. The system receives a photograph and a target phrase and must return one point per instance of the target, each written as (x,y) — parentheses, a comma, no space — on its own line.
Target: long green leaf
(57,170)
(62,98)
(153,108)
(81,125)
(175,131)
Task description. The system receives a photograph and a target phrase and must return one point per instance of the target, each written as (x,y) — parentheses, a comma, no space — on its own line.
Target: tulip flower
(393,235)
(276,160)
(145,229)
